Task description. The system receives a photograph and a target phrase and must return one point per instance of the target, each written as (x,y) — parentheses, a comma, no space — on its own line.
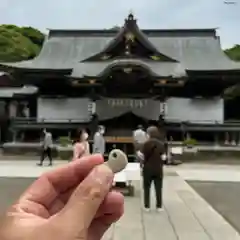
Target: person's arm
(50,140)
(141,162)
(144,153)
(43,142)
(78,150)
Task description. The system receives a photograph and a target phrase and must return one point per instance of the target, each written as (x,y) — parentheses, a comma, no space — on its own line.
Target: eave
(155,69)
(9,68)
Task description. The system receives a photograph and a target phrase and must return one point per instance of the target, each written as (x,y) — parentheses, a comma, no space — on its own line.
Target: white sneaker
(160,209)
(147,209)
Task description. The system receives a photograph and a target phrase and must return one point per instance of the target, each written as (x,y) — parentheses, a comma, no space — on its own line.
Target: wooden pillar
(94,124)
(188,135)
(183,131)
(32,104)
(94,119)
(22,136)
(216,138)
(226,138)
(233,138)
(93,112)
(14,135)
(7,110)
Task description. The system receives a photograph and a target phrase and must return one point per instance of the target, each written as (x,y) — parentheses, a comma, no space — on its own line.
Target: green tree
(115,28)
(17,44)
(33,34)
(234,52)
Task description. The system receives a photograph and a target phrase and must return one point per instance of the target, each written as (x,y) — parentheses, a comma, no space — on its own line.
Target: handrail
(49,120)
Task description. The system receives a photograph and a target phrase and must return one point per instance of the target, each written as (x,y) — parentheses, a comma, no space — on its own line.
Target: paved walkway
(186,215)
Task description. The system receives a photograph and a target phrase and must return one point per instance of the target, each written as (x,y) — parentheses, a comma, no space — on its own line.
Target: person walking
(81,147)
(46,148)
(99,143)
(152,167)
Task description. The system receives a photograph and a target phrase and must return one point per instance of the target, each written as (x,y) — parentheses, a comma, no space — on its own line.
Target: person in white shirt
(99,141)
(139,138)
(47,145)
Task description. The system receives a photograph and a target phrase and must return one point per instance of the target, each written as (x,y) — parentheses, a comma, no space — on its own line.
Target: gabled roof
(131,27)
(194,49)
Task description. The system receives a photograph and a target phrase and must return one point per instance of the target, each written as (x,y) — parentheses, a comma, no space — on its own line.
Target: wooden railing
(80,120)
(44,120)
(119,139)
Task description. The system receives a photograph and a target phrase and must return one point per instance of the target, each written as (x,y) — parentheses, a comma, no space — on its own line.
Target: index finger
(45,190)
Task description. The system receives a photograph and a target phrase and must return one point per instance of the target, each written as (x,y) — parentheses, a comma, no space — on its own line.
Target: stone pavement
(186,215)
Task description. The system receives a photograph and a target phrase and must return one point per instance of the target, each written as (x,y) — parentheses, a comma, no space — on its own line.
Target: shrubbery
(17,44)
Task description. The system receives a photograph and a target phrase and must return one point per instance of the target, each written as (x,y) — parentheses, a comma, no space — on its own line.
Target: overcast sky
(85,14)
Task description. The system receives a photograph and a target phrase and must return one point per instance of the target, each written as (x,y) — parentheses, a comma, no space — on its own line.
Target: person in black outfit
(152,167)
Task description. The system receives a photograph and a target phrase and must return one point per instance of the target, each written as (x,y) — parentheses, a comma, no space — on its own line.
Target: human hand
(70,203)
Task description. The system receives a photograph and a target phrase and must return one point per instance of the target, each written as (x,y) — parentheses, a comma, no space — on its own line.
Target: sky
(99,14)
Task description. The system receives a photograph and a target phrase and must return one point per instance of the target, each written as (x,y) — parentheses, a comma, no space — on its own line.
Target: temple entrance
(124,125)
(122,116)
(119,132)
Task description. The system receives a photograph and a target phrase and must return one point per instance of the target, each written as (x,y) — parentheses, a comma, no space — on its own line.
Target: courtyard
(200,202)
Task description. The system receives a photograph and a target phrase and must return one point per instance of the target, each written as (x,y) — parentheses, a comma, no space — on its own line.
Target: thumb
(87,198)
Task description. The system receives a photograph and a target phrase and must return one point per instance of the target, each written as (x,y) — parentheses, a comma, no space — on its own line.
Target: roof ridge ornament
(131,15)
(130,19)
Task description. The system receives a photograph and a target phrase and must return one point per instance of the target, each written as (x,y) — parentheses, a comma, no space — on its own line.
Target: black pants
(46,153)
(148,178)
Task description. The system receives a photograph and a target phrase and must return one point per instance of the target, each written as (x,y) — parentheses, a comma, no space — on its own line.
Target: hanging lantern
(135,103)
(113,103)
(131,103)
(93,107)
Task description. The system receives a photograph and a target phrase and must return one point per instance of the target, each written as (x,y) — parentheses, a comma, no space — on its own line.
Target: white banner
(131,103)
